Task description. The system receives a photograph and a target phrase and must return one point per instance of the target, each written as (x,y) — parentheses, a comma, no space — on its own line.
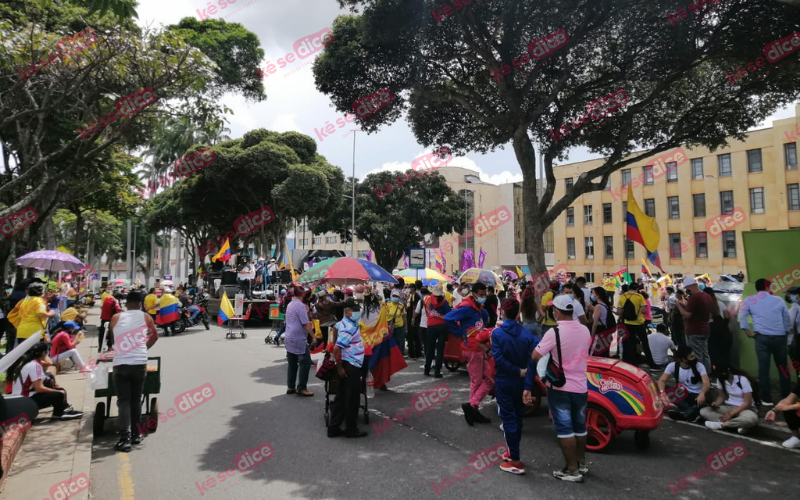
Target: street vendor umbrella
(344,271)
(52,260)
(428,276)
(476,275)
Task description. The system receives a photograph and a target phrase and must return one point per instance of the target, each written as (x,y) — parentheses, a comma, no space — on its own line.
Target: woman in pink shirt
(647,310)
(64,347)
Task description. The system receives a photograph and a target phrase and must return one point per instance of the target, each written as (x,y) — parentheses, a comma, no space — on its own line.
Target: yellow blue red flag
(224,253)
(643,229)
(225,309)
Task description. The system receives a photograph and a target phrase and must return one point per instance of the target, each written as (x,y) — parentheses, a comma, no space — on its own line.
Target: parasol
(484,276)
(427,276)
(344,271)
(52,260)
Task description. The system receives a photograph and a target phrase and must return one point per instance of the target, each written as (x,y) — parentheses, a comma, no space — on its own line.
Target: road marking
(125,479)
(737,436)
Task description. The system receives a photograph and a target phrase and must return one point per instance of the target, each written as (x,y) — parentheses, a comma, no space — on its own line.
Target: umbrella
(167,283)
(484,276)
(121,282)
(427,276)
(52,260)
(510,273)
(344,271)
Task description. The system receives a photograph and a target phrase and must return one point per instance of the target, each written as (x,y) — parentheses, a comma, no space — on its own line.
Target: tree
(393,220)
(463,80)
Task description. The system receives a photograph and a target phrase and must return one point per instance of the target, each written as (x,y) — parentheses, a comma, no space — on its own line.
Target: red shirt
(61,343)
(700,304)
(475,340)
(110,308)
(434,318)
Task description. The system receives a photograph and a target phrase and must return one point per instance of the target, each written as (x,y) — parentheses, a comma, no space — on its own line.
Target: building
(756,180)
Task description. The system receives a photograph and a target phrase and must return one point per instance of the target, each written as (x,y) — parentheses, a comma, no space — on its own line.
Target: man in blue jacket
(512,347)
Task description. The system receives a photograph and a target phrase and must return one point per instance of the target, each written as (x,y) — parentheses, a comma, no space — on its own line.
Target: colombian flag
(645,269)
(225,310)
(439,260)
(224,253)
(386,358)
(643,229)
(169,310)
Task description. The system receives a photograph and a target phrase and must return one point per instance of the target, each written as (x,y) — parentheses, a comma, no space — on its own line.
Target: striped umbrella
(427,276)
(344,271)
(476,275)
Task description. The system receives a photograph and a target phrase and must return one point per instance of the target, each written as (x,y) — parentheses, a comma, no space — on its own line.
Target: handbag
(326,367)
(554,373)
(98,378)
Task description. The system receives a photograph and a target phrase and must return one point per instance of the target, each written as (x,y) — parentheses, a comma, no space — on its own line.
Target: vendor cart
(152,385)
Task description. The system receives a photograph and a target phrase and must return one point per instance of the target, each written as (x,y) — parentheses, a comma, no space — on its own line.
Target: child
(512,347)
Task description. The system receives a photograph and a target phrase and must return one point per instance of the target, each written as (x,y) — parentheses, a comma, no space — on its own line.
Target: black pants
(630,352)
(58,400)
(345,406)
(436,338)
(11,334)
(792,420)
(720,343)
(245,286)
(129,383)
(324,342)
(101,331)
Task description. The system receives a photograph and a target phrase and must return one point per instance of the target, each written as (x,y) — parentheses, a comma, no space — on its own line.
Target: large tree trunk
(532,213)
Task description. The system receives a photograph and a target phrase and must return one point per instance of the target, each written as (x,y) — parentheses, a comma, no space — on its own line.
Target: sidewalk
(55,451)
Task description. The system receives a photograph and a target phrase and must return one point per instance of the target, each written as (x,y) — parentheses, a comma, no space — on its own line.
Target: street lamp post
(353,202)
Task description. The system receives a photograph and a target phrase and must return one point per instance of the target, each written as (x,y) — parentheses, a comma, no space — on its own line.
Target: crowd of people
(510,335)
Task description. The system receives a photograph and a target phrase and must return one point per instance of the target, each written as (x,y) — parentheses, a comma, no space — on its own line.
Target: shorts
(569,412)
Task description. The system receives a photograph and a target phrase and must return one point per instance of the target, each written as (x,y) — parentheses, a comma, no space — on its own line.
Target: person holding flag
(168,311)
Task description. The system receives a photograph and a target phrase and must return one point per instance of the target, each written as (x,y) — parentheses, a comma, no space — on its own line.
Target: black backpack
(629,310)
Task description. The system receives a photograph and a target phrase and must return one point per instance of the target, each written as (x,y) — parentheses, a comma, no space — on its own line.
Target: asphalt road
(412,459)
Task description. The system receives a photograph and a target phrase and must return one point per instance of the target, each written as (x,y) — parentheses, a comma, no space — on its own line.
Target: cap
(396,293)
(348,291)
(72,324)
(283,292)
(688,281)
(437,290)
(352,304)
(563,303)
(272,260)
(793,290)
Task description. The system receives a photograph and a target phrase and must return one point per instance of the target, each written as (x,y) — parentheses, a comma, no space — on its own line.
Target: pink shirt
(575,341)
(647,311)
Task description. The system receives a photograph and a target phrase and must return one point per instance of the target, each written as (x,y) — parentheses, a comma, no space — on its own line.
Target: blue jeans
(400,336)
(533,328)
(688,406)
(301,362)
(280,332)
(511,409)
(195,311)
(771,346)
(569,412)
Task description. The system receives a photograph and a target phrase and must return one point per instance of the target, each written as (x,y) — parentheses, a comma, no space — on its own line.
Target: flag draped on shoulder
(643,229)
(169,309)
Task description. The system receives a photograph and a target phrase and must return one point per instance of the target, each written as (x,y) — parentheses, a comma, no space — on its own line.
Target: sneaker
(70,415)
(767,403)
(437,375)
(469,414)
(427,374)
(479,418)
(137,439)
(507,457)
(792,442)
(583,468)
(334,432)
(124,443)
(514,467)
(743,431)
(675,415)
(697,420)
(69,409)
(355,433)
(305,393)
(566,475)
(501,428)
(714,425)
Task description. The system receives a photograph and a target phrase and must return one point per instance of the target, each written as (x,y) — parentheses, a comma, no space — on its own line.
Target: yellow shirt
(448,297)
(103,297)
(69,314)
(548,320)
(150,302)
(395,313)
(30,323)
(638,301)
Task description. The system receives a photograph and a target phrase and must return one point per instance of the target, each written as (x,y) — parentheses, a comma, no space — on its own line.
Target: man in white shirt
(246,276)
(660,345)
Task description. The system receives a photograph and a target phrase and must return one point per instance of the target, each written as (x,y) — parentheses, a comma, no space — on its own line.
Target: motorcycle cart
(152,385)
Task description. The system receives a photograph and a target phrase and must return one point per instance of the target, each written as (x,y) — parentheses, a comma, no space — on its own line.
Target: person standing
(512,350)
(491,306)
(696,317)
(17,295)
(396,311)
(720,341)
(298,330)
(138,330)
(247,274)
(422,313)
(412,326)
(569,340)
(151,304)
(793,299)
(604,324)
(109,309)
(770,327)
(630,308)
(676,323)
(348,352)
(437,307)
(326,314)
(545,309)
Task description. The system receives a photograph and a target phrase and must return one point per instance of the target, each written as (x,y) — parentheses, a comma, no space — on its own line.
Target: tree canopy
(462,80)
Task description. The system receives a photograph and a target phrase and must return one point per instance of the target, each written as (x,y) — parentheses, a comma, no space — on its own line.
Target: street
(425,456)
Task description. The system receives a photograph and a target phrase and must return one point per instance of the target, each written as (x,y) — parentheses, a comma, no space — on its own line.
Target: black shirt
(491,305)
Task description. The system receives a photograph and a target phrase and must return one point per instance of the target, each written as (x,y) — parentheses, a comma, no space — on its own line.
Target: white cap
(437,290)
(688,281)
(563,303)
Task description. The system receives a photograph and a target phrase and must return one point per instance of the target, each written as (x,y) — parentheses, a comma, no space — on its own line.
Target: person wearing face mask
(604,323)
(415,350)
(359,294)
(326,314)
(735,406)
(579,313)
(348,352)
(397,312)
(467,321)
(299,330)
(436,307)
(687,371)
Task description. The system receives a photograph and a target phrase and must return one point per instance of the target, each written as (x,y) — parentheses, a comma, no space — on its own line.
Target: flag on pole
(643,229)
(438,260)
(520,274)
(645,269)
(225,310)
(405,261)
(224,253)
(481,258)
(291,265)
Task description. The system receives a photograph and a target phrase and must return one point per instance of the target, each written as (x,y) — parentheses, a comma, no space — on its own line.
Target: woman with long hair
(30,380)
(735,406)
(67,335)
(603,322)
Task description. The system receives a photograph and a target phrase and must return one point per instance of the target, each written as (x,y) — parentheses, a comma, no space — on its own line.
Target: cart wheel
(99,418)
(244,335)
(205,322)
(600,426)
(532,408)
(267,340)
(452,366)
(154,414)
(642,439)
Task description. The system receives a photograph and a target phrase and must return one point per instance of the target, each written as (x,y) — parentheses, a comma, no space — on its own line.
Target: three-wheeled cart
(152,385)
(238,322)
(277,318)
(332,388)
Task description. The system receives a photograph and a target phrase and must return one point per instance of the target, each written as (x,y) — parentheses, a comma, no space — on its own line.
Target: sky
(294,104)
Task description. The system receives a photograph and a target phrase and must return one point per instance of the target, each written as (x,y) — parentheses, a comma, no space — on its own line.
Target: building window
(790,152)
(756,200)
(699,204)
(589,277)
(650,207)
(330,239)
(674,207)
(725,165)
(629,249)
(568,182)
(626,177)
(624,210)
(697,168)
(362,254)
(726,202)
(608,184)
(648,175)
(701,248)
(570,216)
(608,245)
(675,245)
(672,171)
(607,213)
(570,248)
(754,160)
(794,196)
(729,244)
(588,247)
(587,215)
(318,240)
(304,241)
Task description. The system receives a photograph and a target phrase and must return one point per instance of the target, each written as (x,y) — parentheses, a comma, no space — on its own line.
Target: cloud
(504,177)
